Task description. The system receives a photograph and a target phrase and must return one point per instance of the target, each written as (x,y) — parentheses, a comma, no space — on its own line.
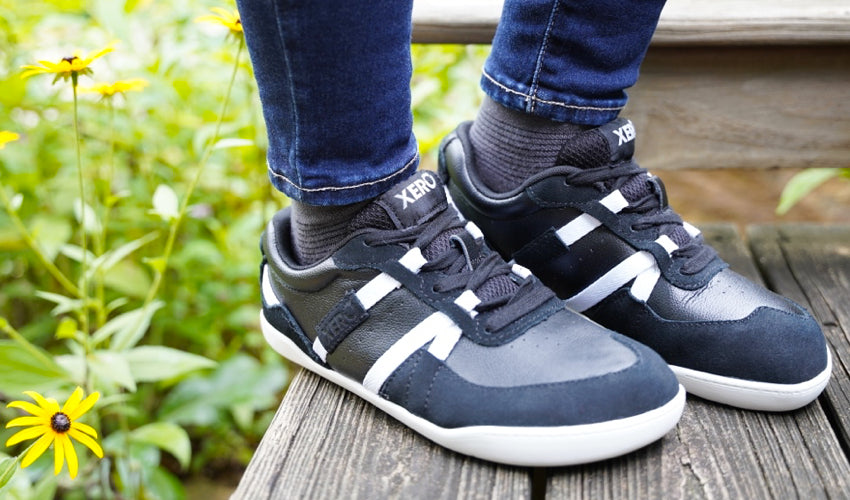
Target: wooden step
(683,22)
(725,84)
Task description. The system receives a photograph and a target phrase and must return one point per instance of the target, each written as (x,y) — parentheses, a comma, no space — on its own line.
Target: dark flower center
(70,59)
(60,422)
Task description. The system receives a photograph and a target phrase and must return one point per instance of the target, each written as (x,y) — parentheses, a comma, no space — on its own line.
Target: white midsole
(753,395)
(525,446)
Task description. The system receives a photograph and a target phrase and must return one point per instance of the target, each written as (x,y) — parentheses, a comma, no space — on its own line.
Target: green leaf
(165,203)
(23,371)
(75,253)
(74,365)
(8,468)
(50,233)
(63,304)
(113,368)
(135,327)
(15,202)
(157,264)
(233,142)
(166,436)
(109,259)
(239,382)
(163,484)
(67,329)
(153,363)
(128,321)
(128,278)
(802,184)
(45,489)
(86,216)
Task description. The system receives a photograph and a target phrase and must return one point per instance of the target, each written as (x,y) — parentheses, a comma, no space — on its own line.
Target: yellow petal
(85,428)
(29,408)
(27,74)
(73,401)
(48,404)
(71,456)
(23,435)
(26,421)
(58,453)
(85,406)
(86,440)
(37,449)
(224,13)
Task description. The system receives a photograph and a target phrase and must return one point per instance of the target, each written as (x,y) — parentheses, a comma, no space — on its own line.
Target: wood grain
(683,22)
(721,452)
(326,443)
(811,263)
(739,107)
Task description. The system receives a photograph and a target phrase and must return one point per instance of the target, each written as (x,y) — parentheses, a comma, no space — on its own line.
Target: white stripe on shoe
(404,347)
(621,274)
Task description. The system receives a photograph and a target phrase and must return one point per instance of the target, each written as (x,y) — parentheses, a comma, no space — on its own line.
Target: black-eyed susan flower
(57,426)
(7,137)
(68,67)
(228,18)
(119,87)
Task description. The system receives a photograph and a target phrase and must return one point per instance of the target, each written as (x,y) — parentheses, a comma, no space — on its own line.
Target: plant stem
(39,253)
(23,342)
(100,307)
(84,317)
(184,205)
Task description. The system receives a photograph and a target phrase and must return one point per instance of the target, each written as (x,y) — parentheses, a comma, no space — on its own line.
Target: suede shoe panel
(765,346)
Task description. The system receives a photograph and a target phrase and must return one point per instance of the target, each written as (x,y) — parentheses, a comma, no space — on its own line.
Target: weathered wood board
(683,22)
(811,264)
(326,443)
(742,107)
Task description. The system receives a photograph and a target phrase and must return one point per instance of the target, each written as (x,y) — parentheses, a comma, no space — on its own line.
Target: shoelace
(651,208)
(466,264)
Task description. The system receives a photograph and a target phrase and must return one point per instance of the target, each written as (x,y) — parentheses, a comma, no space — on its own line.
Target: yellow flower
(6,137)
(50,424)
(119,87)
(68,67)
(228,19)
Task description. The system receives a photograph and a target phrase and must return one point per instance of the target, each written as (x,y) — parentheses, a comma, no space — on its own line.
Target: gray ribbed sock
(318,230)
(510,146)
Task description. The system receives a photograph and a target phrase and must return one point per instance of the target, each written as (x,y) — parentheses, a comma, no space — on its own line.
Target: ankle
(317,230)
(510,145)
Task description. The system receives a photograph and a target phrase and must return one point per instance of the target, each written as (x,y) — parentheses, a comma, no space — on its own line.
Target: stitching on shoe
(431,387)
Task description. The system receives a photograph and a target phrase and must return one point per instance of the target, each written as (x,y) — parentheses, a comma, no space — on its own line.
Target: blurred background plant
(167,329)
(804,182)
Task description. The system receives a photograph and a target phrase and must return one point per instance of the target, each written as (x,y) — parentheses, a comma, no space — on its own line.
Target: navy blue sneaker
(413,313)
(596,228)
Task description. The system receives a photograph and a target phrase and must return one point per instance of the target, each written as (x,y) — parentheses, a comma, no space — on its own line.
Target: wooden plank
(325,442)
(683,22)
(743,108)
(721,452)
(811,263)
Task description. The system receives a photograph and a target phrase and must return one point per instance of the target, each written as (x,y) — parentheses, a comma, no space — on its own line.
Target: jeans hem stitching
(545,101)
(343,188)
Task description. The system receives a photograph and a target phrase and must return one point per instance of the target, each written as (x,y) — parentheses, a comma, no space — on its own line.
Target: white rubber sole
(524,446)
(752,395)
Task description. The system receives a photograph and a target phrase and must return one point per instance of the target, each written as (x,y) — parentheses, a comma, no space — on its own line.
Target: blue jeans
(334,80)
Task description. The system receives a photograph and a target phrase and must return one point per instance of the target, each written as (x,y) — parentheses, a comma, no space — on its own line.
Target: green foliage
(144,287)
(804,182)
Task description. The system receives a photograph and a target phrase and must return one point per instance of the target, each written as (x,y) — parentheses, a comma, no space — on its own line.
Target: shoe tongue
(610,143)
(409,203)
